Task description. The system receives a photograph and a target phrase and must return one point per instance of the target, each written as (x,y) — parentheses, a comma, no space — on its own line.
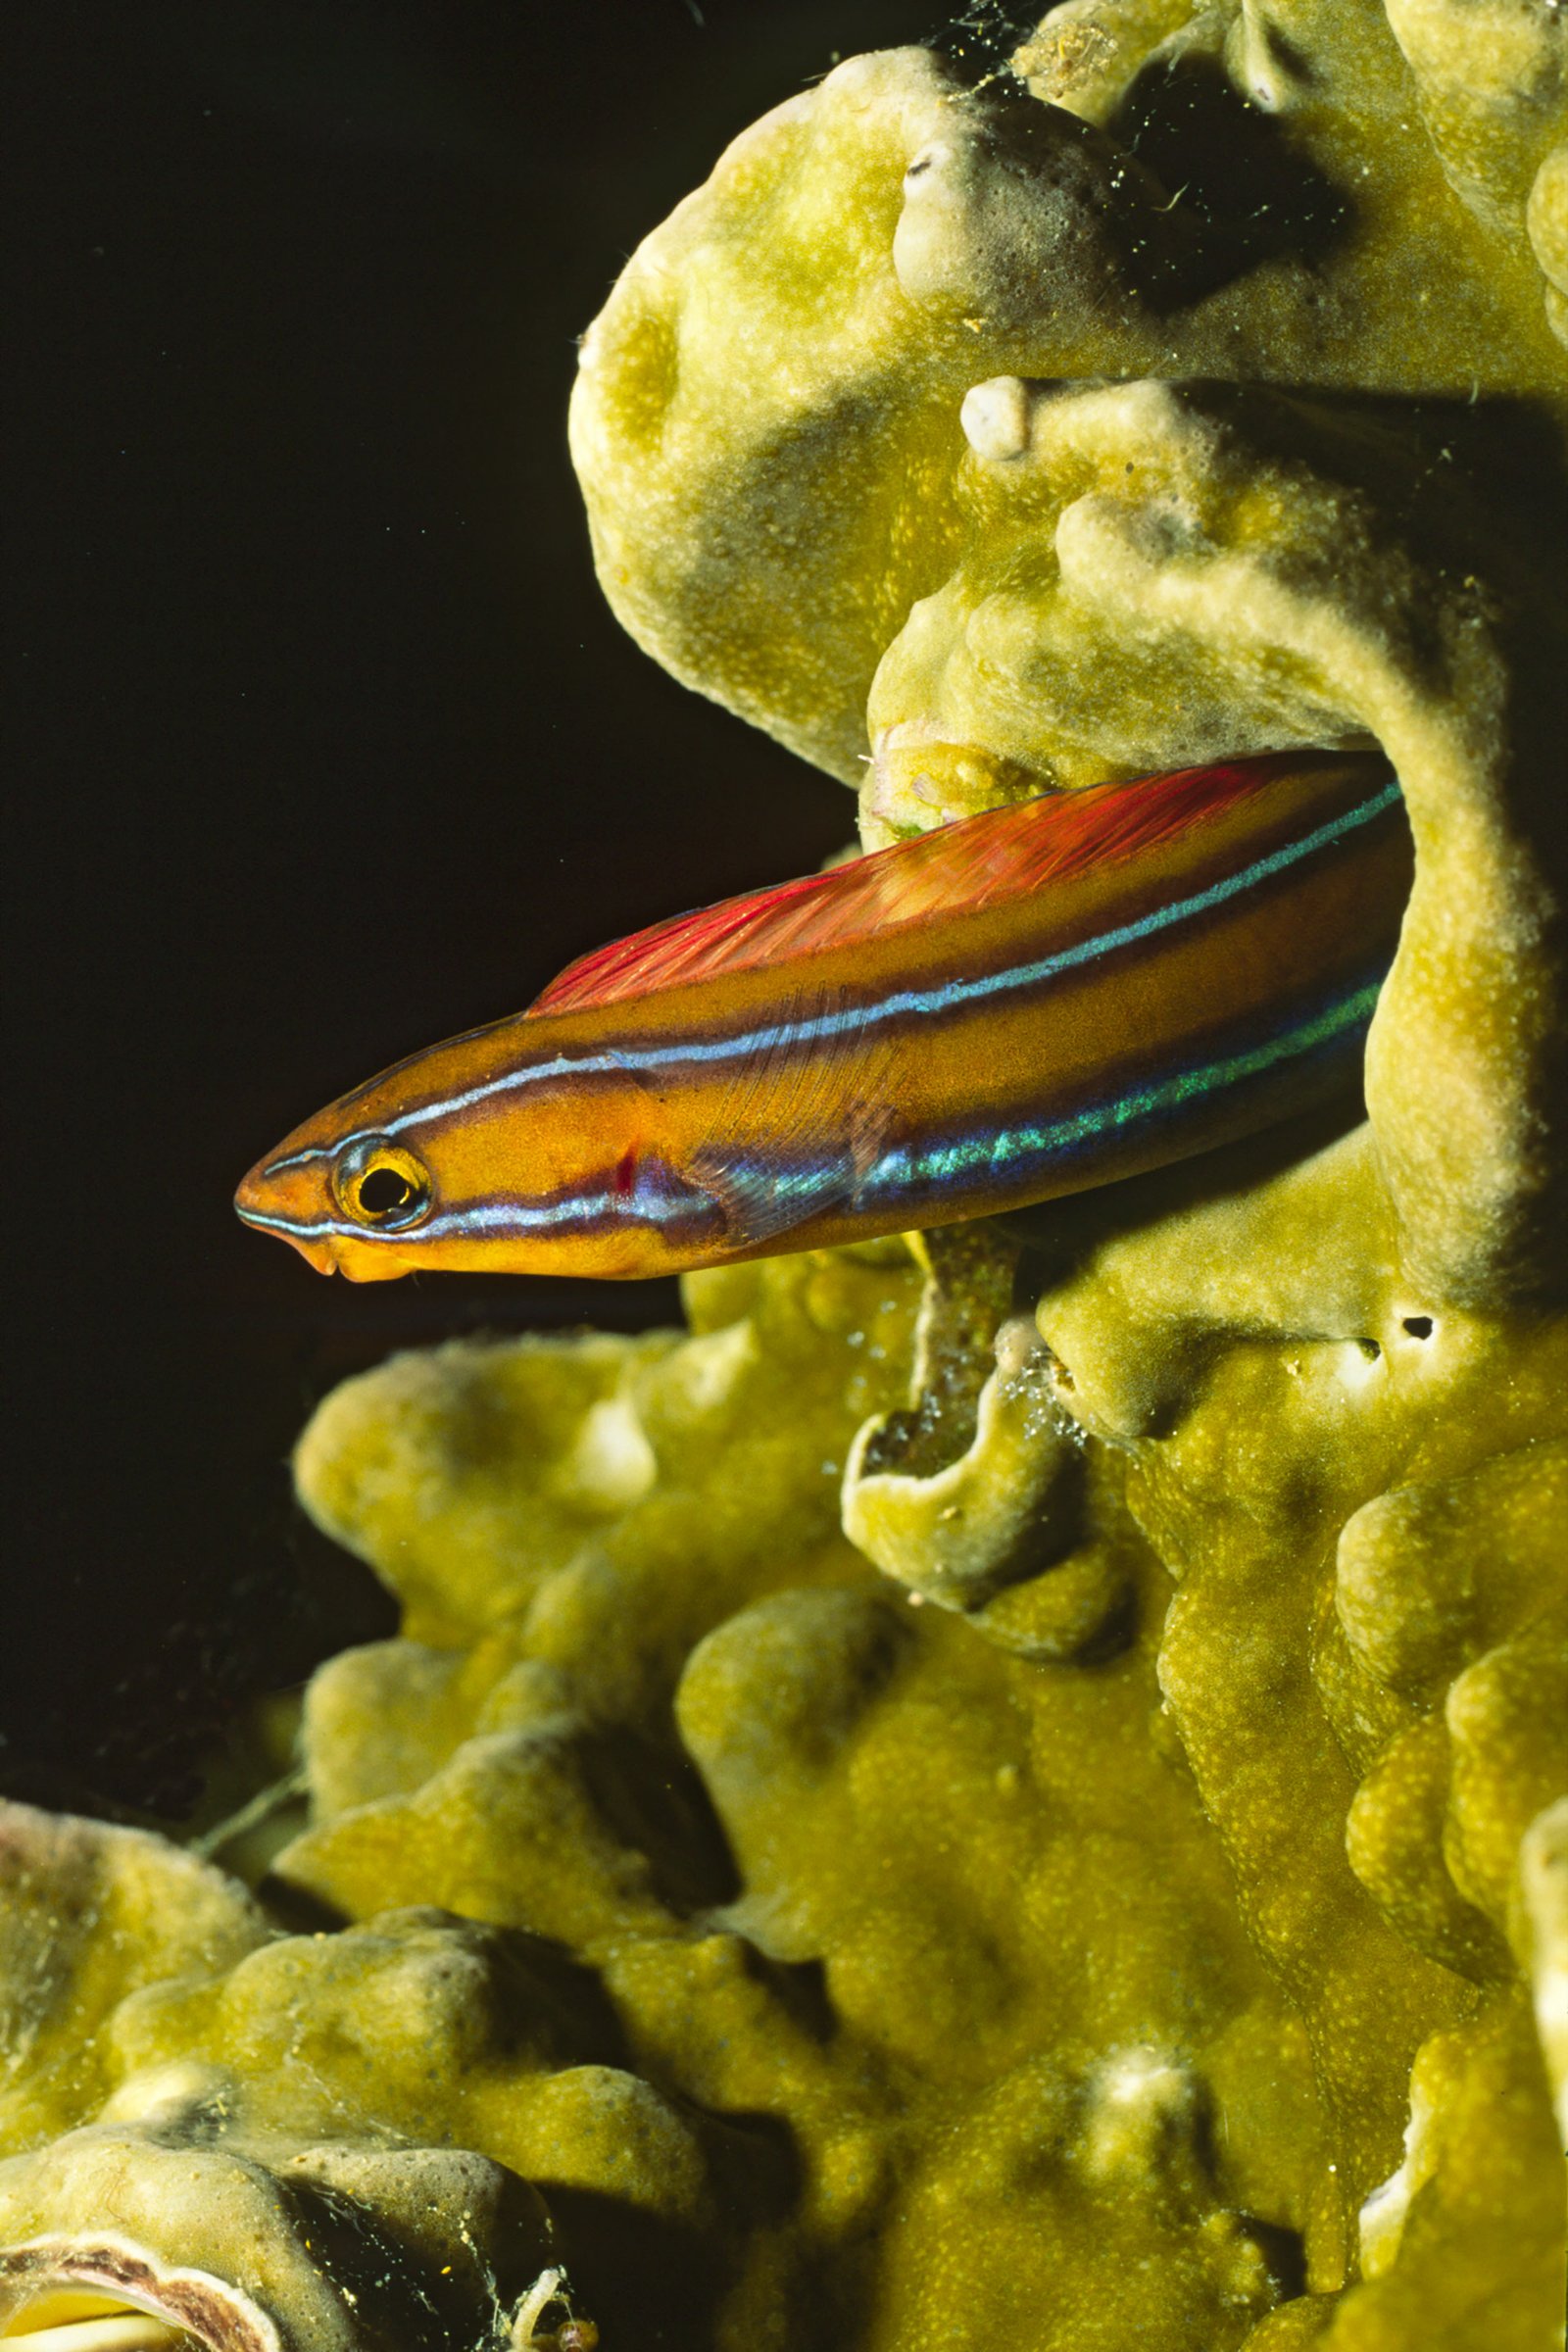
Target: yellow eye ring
(380,1185)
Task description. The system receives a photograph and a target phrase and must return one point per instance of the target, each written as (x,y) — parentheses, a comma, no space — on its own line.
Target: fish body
(1026,1004)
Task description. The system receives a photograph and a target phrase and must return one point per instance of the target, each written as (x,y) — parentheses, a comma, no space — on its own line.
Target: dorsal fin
(978,862)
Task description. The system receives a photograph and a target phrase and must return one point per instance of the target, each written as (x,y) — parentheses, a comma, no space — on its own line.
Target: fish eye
(380,1185)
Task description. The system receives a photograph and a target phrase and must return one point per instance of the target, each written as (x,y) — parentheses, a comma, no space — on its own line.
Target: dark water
(324,745)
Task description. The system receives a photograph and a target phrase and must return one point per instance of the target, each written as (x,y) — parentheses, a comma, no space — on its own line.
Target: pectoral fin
(800,1128)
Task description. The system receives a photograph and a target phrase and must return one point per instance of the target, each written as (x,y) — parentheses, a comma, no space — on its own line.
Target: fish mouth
(320,1254)
(287,1205)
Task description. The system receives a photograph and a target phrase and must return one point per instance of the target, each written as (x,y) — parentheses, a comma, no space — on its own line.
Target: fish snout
(287,1194)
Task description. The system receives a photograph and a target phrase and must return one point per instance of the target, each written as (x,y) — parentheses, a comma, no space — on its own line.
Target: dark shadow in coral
(1253,195)
(1458,478)
(296,1910)
(656,1802)
(648,2281)
(641,2279)
(1061,1235)
(536,1984)
(1283,2252)
(404,2300)
(974,1282)
(1112,1637)
(800,1989)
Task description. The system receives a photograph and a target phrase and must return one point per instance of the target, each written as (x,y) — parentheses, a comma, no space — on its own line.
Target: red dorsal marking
(982,861)
(626,1181)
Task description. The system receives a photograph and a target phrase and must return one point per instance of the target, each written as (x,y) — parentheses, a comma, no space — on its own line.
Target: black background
(323,742)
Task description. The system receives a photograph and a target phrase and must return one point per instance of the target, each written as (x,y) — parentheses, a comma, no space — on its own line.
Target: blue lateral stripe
(908,1173)
(568,1208)
(939,1167)
(950,997)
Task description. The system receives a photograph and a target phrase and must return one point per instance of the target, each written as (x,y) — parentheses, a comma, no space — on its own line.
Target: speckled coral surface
(902,1980)
(928,1929)
(1110,2022)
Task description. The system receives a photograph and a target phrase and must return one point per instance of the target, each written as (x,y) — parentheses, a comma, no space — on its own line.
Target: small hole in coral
(1419,1327)
(1369,1350)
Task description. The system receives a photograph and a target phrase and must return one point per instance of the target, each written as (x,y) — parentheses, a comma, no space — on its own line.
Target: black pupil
(384,1190)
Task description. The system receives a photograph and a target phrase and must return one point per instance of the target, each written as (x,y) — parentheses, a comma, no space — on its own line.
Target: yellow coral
(1165,1967)
(230,2133)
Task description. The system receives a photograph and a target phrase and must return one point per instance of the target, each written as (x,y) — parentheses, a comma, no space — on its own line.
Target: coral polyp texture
(1007,1787)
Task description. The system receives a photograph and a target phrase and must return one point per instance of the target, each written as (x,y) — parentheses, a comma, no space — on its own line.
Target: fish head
(348,1204)
(508,1151)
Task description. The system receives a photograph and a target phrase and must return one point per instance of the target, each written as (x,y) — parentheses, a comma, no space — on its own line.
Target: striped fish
(1025,1004)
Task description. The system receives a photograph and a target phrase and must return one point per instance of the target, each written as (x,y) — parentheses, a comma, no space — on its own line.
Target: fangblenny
(1028,1003)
